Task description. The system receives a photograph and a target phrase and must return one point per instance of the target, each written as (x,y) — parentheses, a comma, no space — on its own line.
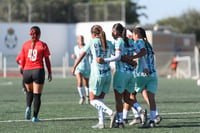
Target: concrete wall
(61,38)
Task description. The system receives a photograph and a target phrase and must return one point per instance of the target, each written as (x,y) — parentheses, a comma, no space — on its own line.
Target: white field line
(6,83)
(94,117)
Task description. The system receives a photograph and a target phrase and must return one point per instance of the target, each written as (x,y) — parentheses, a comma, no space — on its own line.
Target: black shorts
(34,75)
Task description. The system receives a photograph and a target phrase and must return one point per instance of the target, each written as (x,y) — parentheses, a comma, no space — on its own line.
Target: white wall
(61,38)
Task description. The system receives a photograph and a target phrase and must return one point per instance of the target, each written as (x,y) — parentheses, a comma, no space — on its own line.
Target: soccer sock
(81,91)
(37,103)
(101,114)
(99,105)
(152,115)
(29,99)
(125,114)
(135,113)
(120,117)
(87,91)
(137,107)
(157,111)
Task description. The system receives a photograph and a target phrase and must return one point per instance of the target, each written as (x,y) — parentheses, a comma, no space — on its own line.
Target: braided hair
(35,33)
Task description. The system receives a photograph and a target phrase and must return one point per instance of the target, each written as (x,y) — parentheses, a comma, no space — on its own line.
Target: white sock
(101,116)
(81,91)
(87,92)
(125,114)
(157,111)
(152,115)
(120,117)
(135,113)
(99,105)
(137,107)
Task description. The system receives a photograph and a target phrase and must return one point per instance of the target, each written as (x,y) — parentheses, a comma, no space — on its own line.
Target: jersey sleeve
(140,44)
(46,50)
(18,58)
(87,47)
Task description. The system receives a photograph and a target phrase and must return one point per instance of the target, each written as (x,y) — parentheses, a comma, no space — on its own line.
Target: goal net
(187,67)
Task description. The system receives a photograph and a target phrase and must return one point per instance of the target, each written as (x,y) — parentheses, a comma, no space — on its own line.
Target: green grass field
(178,101)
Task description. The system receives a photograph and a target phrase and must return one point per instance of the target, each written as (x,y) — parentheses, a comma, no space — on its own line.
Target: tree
(69,11)
(188,22)
(132,15)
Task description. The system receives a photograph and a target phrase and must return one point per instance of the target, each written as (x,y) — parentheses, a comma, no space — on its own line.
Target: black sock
(37,103)
(29,98)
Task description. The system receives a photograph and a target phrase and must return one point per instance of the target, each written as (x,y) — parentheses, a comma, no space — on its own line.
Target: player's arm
(78,61)
(48,64)
(116,57)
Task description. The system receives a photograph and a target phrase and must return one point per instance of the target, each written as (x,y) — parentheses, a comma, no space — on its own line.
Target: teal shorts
(99,84)
(150,83)
(122,81)
(84,72)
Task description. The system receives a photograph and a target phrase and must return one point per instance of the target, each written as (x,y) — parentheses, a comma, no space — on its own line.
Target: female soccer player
(123,81)
(18,60)
(33,52)
(82,71)
(100,77)
(147,82)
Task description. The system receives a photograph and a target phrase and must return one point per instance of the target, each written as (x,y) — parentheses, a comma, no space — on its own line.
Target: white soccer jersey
(84,64)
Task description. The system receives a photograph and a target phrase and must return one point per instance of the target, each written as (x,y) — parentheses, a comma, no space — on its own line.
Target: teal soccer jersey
(151,82)
(100,77)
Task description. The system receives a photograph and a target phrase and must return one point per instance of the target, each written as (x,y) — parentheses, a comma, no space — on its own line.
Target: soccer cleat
(152,124)
(135,121)
(118,125)
(82,99)
(28,113)
(143,116)
(35,119)
(98,126)
(112,119)
(87,100)
(125,121)
(158,119)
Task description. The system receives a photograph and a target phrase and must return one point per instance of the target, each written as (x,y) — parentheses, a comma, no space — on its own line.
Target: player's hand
(49,77)
(73,56)
(100,60)
(146,71)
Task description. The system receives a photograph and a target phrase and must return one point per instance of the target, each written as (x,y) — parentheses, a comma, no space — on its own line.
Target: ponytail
(141,32)
(35,33)
(33,36)
(125,38)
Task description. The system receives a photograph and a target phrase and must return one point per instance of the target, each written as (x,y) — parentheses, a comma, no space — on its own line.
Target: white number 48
(32,54)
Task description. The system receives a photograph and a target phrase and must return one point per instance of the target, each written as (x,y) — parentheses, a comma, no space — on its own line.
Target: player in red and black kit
(18,60)
(33,52)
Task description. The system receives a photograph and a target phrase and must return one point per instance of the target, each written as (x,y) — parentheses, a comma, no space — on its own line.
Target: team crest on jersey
(11,39)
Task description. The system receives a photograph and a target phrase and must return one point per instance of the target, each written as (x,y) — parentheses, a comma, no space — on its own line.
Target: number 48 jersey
(33,58)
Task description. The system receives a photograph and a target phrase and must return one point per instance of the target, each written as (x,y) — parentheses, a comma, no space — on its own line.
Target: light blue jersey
(139,44)
(84,65)
(100,70)
(151,82)
(149,58)
(123,77)
(120,45)
(100,77)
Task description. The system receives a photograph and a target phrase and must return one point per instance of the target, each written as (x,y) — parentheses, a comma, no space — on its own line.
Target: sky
(160,9)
